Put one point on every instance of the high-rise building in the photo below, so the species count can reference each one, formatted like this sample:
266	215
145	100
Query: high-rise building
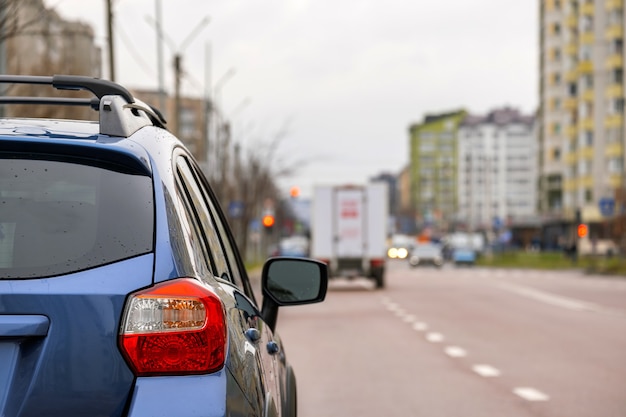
433	147
497	169
581	117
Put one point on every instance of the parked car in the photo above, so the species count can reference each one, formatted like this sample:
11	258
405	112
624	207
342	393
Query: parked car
122	292
426	254
463	256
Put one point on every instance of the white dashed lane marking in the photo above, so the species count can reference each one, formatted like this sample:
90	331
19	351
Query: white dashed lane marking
531	394
434	337
420	326
455	352
409	318
486	371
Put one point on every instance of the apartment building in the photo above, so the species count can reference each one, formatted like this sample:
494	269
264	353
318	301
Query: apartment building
497	169
581	119
192	119
433	147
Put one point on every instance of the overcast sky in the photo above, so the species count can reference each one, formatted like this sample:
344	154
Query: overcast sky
346	78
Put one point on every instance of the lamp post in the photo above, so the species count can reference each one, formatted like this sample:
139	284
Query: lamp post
220	126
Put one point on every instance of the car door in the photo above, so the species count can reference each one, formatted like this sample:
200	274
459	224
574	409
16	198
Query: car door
254	351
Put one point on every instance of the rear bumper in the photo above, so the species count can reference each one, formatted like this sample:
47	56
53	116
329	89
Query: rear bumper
189	396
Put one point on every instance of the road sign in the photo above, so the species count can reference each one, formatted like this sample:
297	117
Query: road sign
235	209
607	206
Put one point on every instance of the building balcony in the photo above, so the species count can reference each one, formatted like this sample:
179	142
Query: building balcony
585	67
613	149
614	91
614	61
615	31
586	181
615	181
586	152
571	75
587	9
571	49
571	21
587	38
570	184
614	120
571	131
586	124
611	5
587	95
570	103
571	158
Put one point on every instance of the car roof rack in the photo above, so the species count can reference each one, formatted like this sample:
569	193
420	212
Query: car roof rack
120	113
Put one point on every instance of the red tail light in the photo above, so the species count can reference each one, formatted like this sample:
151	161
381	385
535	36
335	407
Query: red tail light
377	262
174	328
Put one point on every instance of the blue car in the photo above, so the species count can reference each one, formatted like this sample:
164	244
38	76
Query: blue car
122	292
463	256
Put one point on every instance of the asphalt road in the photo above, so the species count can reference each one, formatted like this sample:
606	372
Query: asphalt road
462	342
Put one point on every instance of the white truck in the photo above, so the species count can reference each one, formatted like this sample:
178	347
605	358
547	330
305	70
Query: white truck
349	230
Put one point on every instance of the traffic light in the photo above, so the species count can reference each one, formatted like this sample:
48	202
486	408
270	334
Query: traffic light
268	221
582	230
294	192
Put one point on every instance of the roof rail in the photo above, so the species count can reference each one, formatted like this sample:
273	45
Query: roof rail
120	113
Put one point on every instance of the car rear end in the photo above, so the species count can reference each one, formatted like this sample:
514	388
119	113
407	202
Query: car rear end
76	238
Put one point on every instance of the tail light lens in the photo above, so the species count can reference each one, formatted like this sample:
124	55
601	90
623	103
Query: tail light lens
377	262
174	328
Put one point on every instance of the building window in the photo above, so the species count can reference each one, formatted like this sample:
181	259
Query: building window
588	196
557	54
617	76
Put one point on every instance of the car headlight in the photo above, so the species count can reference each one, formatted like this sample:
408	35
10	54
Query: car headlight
402	253
392	253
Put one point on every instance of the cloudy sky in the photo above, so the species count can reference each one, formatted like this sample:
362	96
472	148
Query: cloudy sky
343	79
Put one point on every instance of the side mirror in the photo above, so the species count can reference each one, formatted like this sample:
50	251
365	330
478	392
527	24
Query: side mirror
293	281
289	281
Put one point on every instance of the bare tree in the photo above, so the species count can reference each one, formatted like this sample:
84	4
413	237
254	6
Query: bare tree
255	185
11	22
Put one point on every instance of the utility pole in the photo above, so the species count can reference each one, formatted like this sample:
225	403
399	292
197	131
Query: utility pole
160	69
3	50
110	43
178	62
177	77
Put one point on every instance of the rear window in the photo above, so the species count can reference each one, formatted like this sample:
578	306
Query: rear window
62	217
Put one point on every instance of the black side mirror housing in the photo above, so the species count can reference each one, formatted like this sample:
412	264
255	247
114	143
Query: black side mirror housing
288	281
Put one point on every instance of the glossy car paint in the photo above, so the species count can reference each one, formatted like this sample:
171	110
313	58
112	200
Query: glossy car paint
77	368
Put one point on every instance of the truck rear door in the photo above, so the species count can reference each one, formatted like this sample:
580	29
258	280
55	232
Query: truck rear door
349	223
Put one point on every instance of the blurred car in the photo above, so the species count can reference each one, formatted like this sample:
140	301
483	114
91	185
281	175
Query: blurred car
122	292
399	247
397	252
426	254
297	246
463	256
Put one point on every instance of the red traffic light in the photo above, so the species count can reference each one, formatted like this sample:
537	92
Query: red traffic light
582	230
268	220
